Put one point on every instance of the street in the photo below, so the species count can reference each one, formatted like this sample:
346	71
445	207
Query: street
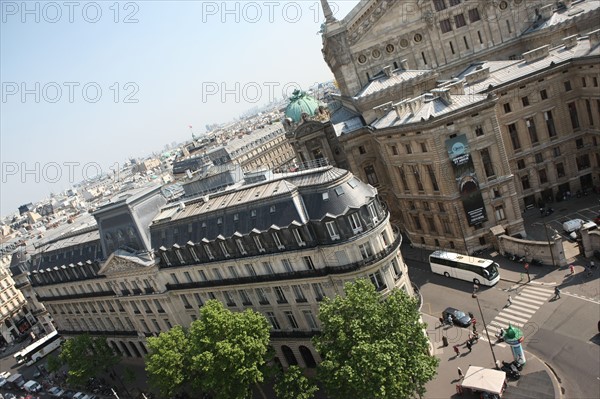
562	332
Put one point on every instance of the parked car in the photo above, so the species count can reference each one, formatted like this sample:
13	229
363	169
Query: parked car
56	392
32	386
458	317
2	381
572	225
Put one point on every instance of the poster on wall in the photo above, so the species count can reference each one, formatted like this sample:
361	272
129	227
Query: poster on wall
468	185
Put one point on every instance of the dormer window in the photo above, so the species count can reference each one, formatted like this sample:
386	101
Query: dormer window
259	244
298	236
224	249
332	230
277	240
208	252
194	254
240	246
373	212
272	209
253	213
355	223
166	258
179	256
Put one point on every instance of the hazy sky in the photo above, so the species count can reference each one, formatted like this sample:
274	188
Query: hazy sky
86	85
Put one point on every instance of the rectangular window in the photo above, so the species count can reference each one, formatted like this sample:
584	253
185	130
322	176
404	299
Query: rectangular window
194	254
311	322
423	147
530	122
377	281
273	320
499	211
583	82
229	298
394	150
318	291
408	148
417	222
186	303
158	306
480	38
287	265
445	25
233	272
332	230
556	151
514	136
188	277
240	246
403	178
539	157
277	240
451	47
459	20
279	295
432	178
291	319
525	182
474	15
560	169
508	26
198	299
415	170
365	250
506	107
543	94
250	269
454	2
245	298
262	296
542	175
582	162
486	160
573	115
431	224
208	252
202	275
478	131
525	101
268	268
298	236
299	294
396	268
568	85
550	124
355	223
259	244
373	212
308	263
224	249
371	175
217	274
174	278
588	107
466	42
439	5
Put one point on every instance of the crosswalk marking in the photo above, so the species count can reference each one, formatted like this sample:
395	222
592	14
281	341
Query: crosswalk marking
524	305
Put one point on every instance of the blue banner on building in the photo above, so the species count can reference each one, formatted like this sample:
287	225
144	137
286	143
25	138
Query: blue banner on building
468	185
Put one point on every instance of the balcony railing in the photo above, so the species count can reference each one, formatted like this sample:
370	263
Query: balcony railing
300	274
293	334
75	296
101	333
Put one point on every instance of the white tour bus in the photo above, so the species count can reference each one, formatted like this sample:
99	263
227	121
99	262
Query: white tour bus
39	349
465	267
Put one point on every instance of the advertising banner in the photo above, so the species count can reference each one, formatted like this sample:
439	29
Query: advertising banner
468	185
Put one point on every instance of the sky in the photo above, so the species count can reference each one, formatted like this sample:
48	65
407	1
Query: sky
88	85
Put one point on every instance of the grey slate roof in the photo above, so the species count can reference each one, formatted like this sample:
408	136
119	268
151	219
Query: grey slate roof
296	198
577	9
398	77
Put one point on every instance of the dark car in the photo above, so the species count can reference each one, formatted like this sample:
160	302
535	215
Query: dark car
459	318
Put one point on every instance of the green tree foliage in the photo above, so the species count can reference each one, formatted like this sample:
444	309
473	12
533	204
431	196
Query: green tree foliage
86	357
167	361
54	363
228	350
222	353
294	385
373	347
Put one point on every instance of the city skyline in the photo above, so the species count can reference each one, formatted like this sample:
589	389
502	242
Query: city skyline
88	85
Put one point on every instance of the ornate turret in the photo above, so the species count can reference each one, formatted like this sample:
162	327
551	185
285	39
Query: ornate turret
329	18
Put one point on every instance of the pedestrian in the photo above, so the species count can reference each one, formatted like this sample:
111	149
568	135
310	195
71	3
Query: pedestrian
556	292
460	373
509	301
455	347
541	211
469	345
592	265
444	341
572	269
474	329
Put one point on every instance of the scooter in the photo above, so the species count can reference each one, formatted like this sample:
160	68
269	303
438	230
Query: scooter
500	336
511	371
513	365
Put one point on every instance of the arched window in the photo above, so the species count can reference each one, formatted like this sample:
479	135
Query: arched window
289	356
307	356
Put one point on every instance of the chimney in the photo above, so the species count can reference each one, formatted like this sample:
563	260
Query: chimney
383	109
387	70
594	38
457	88
536	54
444	94
570	41
477	75
547	11
404	65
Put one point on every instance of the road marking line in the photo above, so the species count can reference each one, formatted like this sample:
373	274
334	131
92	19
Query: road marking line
581	297
524	306
533	297
503	314
501	345
542	290
519	312
514	323
529	301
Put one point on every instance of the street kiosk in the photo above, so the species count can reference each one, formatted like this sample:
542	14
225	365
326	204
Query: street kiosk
489	383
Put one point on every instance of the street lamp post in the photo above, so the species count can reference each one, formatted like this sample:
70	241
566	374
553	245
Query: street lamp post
549	244
486	330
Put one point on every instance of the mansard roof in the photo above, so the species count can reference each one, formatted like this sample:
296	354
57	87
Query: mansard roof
290	199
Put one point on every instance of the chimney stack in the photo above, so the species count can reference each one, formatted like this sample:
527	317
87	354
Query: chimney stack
594	38
570	41
387	70
404	65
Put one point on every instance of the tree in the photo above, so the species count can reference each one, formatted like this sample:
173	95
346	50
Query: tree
222	353
373	347
87	357
294	385
54	363
228	350
167	361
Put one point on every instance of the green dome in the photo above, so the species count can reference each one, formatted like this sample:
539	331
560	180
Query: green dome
301	103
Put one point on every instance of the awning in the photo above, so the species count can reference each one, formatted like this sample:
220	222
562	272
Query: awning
482	379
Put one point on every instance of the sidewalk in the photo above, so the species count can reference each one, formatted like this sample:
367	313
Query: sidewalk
537	380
